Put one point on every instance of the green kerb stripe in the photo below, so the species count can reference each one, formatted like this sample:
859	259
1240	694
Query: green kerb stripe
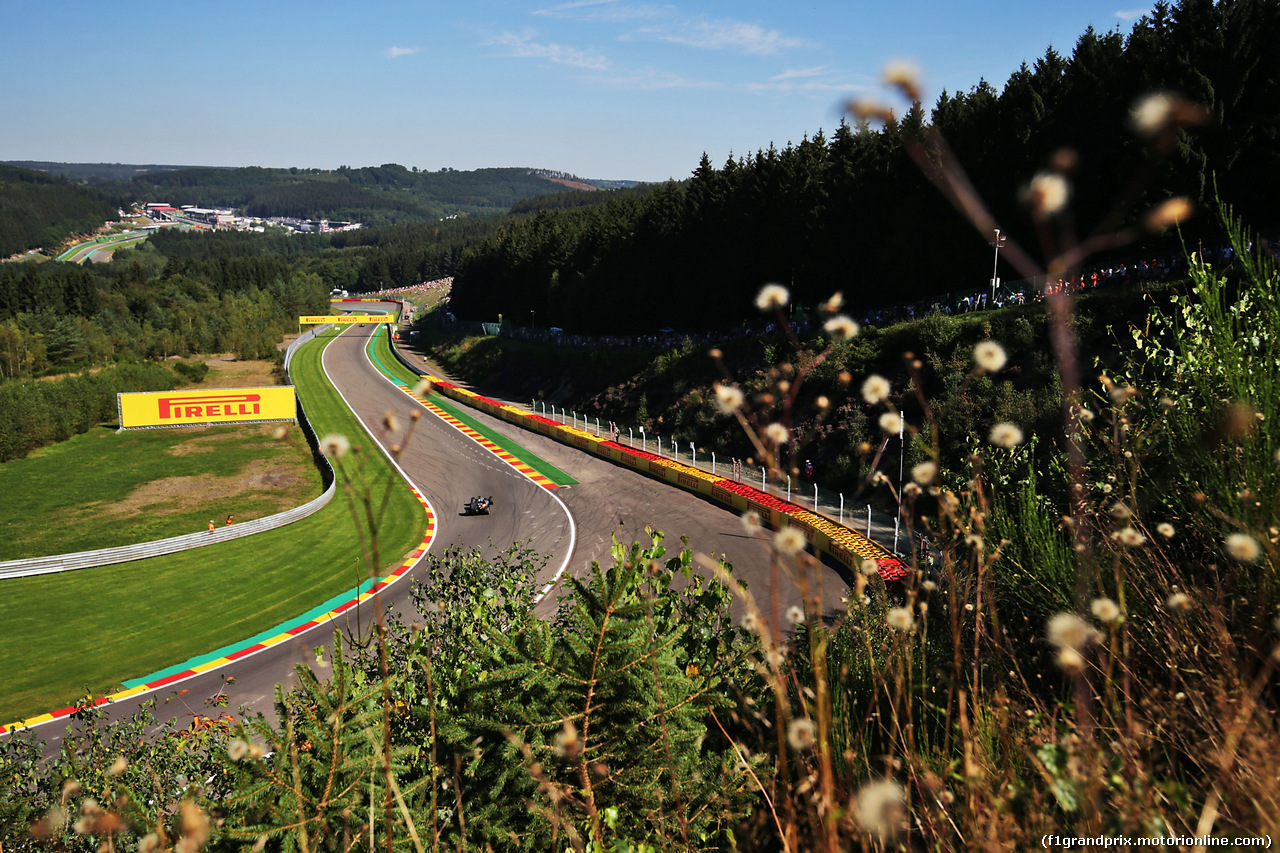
401	375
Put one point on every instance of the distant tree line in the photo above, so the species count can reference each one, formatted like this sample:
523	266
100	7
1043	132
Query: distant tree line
374	195
854	212
40	211
56	318
38	413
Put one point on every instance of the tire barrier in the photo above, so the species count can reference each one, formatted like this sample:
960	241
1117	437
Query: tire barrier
172	545
846	546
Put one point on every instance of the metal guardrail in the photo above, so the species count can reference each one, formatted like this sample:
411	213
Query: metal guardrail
879	527
172	545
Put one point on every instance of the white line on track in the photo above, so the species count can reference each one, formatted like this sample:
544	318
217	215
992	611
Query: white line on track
573	527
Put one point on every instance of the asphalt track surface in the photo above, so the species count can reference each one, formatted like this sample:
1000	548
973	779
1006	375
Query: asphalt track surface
573	525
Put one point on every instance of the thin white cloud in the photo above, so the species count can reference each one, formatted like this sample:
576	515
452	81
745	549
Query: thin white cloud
801	73
524	46
664	23
788	87
726	35
651	78
603	12
1132	14
393	52
819	79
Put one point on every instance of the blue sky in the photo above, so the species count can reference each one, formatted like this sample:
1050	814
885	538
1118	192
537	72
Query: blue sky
619	89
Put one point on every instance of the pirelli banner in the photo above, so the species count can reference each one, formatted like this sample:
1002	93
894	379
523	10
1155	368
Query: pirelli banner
346	319
205	407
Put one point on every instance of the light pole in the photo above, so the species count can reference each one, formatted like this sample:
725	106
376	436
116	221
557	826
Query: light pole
998	242
532	325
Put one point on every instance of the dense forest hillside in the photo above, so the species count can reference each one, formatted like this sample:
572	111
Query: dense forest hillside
374	195
39	211
855	212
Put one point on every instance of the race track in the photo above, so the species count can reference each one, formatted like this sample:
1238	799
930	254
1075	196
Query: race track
574	525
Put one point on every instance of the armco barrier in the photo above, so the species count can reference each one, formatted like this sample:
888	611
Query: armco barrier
160	547
846	546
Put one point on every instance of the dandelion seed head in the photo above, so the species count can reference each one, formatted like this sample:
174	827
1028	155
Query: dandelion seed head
751	521
335	445
841	327
391	422
1165	529
1130	537
834	304
1121	394
772	296
1120	510
729	398
869	567
900	619
1005	434
777	433
924	473
802	734
1243	547
789	541
1067	630
990	356
795	615
1178	602
423	388
237	749
1152	114
279	432
891	422
865	109
905	77
118	766
1070	661
1105	609
879	806
1047	193
1086	415
875	389
751	621
1168	213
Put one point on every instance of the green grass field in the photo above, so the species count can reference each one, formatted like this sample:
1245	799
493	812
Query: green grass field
106	488
92	629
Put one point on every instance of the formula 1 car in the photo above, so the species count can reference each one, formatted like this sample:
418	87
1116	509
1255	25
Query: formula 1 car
478	506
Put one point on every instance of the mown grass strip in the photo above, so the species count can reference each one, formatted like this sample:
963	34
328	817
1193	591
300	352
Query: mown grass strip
380	351
105	488
91	630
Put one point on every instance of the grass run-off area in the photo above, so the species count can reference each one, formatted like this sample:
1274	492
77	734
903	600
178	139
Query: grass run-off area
106	488
92	629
